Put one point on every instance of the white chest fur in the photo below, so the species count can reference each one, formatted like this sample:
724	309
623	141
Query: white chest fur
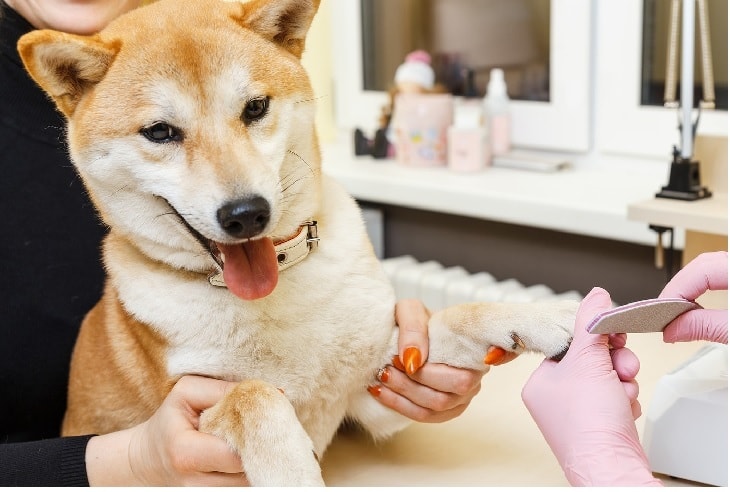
320	336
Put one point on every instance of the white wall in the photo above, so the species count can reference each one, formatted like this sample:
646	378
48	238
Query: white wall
317	60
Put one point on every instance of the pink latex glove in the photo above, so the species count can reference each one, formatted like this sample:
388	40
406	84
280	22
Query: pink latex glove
585	406
706	272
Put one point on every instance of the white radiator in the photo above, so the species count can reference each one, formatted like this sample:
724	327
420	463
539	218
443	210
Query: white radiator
439	287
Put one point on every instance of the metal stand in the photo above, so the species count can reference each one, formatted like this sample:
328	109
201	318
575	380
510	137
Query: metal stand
684	177
684	180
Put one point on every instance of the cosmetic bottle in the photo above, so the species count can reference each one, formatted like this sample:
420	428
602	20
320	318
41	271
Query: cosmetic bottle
468	144
497	113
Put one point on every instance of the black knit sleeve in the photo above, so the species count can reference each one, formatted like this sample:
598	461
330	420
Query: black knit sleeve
48	463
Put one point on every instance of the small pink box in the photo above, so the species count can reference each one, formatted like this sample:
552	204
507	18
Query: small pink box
421	123
468	149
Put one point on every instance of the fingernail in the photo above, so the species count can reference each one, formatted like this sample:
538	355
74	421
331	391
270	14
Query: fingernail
594	291
494	355
412	360
383	375
398	364
374	390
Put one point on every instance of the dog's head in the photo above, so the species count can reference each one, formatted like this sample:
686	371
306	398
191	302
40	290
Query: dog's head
192	123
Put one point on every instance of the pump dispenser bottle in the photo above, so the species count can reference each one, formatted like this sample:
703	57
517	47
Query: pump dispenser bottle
497	113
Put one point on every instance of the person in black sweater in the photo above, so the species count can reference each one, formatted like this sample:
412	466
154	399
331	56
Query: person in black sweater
52	276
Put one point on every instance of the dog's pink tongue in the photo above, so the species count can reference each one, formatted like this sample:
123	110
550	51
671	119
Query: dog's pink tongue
250	270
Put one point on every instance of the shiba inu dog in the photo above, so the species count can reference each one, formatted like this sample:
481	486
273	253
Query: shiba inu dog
229	253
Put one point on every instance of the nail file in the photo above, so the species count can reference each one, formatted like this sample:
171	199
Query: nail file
646	316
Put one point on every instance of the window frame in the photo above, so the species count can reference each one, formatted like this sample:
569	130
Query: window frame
623	125
562	124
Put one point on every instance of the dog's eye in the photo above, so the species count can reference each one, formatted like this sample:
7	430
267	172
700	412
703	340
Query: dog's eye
255	109
161	133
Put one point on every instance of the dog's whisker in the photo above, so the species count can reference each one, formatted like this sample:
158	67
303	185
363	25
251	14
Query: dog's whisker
301	159
286	182
288	186
293	177
121	188
311	99
286	200
165	214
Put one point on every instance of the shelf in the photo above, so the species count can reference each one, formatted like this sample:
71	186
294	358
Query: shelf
591	198
708	215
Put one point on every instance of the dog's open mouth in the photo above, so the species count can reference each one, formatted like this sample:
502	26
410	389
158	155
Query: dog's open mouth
250	269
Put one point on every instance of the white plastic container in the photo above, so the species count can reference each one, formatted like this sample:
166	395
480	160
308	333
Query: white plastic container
685	435
497	113
468	140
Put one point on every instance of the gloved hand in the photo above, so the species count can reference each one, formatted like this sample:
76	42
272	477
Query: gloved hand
706	272
585	405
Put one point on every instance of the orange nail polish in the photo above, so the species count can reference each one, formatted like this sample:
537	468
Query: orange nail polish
494	355
374	390
398	364
383	375
412	360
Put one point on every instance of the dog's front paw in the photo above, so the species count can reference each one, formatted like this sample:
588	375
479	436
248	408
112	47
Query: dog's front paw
467	335
259	422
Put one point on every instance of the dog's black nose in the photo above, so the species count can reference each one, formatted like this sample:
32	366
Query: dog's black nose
245	217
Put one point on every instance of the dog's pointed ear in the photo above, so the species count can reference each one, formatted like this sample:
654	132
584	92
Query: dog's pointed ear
65	65
285	22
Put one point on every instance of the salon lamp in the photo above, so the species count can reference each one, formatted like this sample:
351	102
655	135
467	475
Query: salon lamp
686	432
684	177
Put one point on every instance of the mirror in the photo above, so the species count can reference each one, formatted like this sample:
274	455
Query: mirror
466	39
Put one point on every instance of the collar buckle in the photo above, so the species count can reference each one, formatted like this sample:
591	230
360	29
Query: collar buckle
312	237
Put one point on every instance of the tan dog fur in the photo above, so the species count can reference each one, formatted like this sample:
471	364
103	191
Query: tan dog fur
327	326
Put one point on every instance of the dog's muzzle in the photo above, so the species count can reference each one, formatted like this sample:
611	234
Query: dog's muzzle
233	215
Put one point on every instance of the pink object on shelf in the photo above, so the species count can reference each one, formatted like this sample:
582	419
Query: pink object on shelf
421	123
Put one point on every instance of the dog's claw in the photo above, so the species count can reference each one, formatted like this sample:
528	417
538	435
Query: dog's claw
518	342
559	356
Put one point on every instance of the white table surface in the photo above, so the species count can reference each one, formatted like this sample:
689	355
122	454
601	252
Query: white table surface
708	215
494	443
